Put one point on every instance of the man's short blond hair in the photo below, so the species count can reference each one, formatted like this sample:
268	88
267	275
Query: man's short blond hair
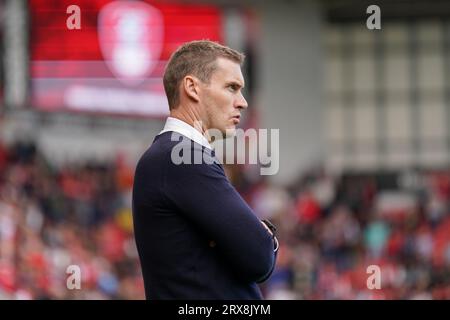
197	58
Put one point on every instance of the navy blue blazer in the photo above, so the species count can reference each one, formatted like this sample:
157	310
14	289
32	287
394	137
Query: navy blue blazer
196	237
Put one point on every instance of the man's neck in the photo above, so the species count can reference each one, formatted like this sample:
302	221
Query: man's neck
191	118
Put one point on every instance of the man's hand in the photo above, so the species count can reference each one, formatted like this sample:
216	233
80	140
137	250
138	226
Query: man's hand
267	228
271	228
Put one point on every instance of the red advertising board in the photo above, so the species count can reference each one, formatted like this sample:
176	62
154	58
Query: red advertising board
115	61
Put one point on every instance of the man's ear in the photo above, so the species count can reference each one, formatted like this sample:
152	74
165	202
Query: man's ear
190	86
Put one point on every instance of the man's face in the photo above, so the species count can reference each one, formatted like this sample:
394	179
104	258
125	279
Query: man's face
222	100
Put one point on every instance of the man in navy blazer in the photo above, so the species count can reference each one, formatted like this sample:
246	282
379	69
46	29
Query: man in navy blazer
196	237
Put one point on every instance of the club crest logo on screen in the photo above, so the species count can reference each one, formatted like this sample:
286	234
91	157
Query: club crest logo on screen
131	37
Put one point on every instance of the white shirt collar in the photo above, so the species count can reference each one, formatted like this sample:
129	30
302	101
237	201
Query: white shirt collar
181	127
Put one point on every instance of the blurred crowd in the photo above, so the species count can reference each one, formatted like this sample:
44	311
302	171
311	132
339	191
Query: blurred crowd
53	218
337	234
331	231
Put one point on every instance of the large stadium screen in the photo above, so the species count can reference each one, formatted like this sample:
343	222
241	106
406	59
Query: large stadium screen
108	57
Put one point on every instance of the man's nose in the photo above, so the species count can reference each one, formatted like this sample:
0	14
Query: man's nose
241	103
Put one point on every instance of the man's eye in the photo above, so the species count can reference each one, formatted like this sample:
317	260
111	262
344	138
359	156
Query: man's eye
233	87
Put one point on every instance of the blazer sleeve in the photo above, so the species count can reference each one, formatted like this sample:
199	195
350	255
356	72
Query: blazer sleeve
205	196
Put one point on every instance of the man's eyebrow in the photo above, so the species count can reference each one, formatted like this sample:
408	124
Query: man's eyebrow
237	83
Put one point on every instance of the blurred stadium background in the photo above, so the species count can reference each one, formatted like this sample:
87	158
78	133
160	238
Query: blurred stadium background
364	140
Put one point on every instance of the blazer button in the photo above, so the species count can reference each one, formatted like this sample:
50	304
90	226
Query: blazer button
212	244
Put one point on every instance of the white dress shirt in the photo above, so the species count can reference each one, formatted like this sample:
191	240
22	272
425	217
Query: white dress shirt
181	127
